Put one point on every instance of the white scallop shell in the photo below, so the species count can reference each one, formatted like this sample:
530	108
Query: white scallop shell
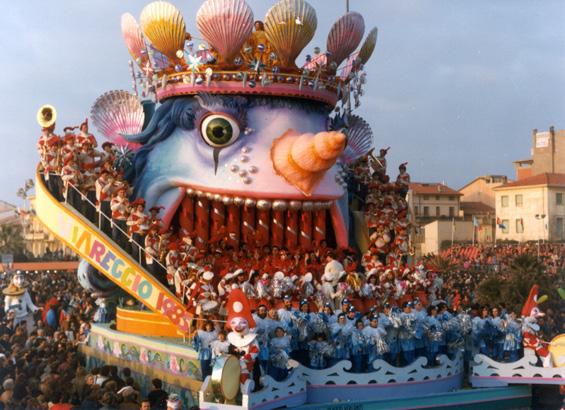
359	139
345	35
134	39
366	50
225	25
116	113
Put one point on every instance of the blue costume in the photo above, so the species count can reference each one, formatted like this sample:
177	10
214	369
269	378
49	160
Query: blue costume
406	336
391	324
341	338
358	349
513	339
201	343
436	338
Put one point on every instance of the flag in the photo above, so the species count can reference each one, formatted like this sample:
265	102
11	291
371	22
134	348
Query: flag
500	224
475	221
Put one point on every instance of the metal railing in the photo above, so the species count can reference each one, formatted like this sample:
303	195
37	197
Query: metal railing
102	215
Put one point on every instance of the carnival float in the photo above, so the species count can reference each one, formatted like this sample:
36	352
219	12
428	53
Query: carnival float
237	150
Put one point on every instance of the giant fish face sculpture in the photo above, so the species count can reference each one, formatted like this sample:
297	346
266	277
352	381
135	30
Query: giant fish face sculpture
240	144
229	154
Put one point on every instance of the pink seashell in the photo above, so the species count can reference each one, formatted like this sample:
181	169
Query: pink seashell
225	24
117	113
134	39
344	37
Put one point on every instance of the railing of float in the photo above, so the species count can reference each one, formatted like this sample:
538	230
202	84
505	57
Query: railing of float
102	215
84	238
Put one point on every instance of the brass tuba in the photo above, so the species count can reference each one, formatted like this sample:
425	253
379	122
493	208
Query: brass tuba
46	116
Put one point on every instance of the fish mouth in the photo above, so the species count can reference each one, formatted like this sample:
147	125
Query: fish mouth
256	220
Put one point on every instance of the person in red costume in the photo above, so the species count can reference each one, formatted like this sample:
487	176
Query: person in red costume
244	343
530	327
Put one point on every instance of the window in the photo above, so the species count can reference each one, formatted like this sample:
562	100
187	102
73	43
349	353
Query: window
426	197
451	211
426	211
437	211
559	198
519	225
519	199
559	228
437	197
504	201
452	198
417	210
506	225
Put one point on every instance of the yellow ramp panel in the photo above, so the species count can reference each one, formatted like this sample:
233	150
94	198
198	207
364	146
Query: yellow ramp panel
145	323
86	240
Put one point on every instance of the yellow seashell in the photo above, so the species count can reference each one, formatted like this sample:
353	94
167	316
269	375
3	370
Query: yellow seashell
163	25
366	50
303	159
289	26
344	36
225	24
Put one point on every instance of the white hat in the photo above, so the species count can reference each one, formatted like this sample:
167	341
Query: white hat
342	274
237	272
228	276
407	270
279	275
307	277
265	276
371	272
293	278
208	275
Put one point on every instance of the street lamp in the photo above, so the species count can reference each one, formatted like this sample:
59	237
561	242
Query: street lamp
540	217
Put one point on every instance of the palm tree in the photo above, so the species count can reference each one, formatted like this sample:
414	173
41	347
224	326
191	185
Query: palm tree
11	239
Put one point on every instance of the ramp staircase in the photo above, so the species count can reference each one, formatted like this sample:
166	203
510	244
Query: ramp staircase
87	240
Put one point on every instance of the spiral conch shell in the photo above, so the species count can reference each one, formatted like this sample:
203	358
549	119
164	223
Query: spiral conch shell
164	27
225	24
303	159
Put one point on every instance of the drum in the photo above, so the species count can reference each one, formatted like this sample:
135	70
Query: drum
225	377
557	350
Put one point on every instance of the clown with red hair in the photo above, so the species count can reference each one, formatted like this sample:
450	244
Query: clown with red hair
239	322
531	329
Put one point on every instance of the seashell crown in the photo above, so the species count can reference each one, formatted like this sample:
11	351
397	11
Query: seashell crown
237	54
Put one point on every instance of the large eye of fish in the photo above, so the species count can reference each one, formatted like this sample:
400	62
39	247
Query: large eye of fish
219	130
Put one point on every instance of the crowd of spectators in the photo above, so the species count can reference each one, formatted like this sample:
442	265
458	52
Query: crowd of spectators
44	369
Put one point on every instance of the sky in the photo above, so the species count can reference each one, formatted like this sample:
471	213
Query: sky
455	87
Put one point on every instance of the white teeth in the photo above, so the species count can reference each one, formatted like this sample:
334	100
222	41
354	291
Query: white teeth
280	205
295	205
263	204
